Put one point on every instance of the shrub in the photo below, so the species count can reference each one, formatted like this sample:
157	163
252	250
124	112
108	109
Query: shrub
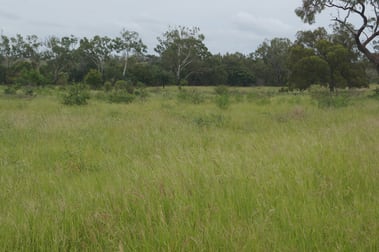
94	79
125	86
28	91
108	86
77	95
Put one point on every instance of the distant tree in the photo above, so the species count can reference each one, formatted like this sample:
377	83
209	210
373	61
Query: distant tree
307	71
60	55
349	11
180	48
98	50
32	51
129	42
309	38
238	69
328	64
271	58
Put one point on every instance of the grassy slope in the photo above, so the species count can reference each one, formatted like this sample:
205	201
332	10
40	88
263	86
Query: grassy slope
164	175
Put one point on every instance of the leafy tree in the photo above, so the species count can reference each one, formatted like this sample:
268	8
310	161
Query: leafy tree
238	70
129	42
32	50
308	39
60	55
11	50
309	70
180	48
333	65
271	57
98	50
348	11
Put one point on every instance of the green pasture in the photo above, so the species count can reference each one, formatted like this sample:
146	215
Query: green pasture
258	171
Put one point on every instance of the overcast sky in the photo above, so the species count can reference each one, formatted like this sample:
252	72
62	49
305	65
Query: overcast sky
228	26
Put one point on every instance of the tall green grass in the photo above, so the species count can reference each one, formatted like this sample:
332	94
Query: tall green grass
270	173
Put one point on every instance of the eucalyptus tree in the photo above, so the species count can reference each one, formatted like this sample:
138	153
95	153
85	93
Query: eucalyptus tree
11	49
32	50
17	49
129	42
347	13
180	48
60	55
98	50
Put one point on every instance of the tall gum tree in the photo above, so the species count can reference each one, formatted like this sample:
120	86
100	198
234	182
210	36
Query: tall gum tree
365	34
129	42
180	48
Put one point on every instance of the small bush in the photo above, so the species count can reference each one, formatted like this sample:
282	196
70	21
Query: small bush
122	85
108	86
94	79
77	95
28	91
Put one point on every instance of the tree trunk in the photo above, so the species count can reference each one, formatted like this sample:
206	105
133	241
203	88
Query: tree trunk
125	64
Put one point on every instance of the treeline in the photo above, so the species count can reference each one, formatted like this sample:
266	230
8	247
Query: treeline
182	58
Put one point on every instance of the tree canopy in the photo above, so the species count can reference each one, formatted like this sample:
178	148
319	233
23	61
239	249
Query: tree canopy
347	13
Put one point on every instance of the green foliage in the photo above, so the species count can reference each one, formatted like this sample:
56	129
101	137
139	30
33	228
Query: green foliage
108	86
31	78
123	85
77	94
307	71
272	57
94	79
10	90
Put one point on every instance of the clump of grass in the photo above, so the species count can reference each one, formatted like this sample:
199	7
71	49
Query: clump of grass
331	100
210	120
190	96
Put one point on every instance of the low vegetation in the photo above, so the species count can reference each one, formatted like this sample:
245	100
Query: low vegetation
261	171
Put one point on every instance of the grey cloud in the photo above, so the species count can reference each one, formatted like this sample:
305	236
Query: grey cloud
9	15
260	25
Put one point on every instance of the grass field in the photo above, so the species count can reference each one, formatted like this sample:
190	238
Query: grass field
267	173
